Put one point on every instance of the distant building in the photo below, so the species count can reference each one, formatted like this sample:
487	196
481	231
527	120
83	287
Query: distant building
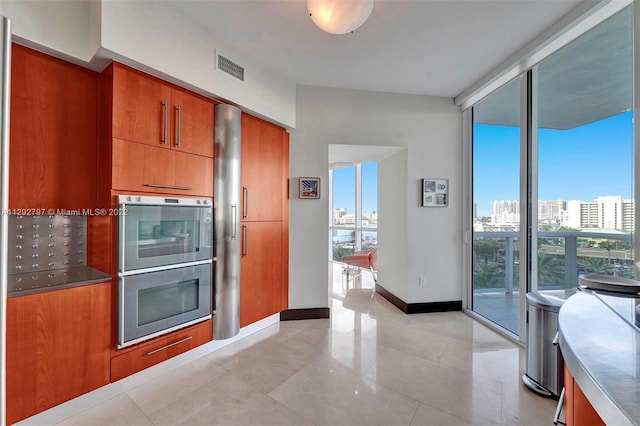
505	212
605	212
551	211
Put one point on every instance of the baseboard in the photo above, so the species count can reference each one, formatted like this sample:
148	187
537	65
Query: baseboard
419	308
304	314
395	300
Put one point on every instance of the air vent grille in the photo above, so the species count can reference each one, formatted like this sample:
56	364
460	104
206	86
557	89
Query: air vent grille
230	67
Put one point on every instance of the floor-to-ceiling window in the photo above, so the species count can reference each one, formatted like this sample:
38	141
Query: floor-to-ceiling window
354	216
496	206
553	156
585	157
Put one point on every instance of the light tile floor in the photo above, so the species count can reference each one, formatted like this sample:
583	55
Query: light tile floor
370	364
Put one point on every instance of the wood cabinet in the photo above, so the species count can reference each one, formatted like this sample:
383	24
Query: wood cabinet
265	220
160	349
150	111
58	347
263	156
53	133
143	168
260	271
578	409
157	138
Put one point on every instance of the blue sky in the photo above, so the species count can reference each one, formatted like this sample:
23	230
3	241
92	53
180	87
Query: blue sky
576	164
344	184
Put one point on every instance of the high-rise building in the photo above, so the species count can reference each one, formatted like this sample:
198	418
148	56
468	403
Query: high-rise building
550	211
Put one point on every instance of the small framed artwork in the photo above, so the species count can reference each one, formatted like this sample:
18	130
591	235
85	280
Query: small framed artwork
435	192
309	187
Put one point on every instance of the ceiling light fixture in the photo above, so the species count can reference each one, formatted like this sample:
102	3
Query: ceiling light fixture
339	16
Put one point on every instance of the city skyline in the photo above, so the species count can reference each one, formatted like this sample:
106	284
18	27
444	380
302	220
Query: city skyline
574	164
344	188
604	212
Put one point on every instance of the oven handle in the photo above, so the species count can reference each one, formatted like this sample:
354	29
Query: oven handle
234	221
169	345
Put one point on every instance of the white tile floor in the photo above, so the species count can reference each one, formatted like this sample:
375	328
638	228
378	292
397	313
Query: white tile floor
369	364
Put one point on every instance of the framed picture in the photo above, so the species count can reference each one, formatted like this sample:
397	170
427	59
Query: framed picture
309	187
435	192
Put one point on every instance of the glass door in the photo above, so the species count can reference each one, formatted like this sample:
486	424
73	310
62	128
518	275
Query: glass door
496	207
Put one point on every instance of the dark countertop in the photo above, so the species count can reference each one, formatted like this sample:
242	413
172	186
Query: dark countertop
57	279
600	343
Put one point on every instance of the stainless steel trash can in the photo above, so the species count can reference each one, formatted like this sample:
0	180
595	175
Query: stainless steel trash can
545	366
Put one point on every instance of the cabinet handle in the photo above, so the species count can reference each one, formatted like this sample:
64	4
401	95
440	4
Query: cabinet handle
245	206
164	123
179	133
245	240
169	345
157	185
234	221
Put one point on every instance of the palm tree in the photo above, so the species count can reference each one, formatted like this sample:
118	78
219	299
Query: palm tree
485	249
486	276
594	264
550	269
608	245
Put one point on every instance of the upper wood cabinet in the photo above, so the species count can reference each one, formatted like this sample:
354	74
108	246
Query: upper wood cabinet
53	132
150	111
264	151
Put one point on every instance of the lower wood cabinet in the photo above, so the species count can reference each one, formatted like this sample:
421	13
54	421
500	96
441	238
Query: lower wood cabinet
58	347
160	349
261	280
578	409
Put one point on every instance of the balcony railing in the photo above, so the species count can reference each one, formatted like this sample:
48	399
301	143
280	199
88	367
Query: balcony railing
562	256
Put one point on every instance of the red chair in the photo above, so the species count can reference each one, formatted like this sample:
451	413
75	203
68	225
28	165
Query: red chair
364	259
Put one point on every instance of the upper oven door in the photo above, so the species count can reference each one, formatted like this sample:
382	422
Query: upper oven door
159	231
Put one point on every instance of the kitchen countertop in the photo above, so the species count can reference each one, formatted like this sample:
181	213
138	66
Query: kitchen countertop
57	279
600	343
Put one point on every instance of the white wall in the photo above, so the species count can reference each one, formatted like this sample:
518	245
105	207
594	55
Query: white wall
154	37
155	34
65	27
430	130
392	224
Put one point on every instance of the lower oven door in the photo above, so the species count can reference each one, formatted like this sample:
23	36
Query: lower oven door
155	303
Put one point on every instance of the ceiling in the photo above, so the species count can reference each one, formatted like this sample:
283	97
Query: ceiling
425	47
587	80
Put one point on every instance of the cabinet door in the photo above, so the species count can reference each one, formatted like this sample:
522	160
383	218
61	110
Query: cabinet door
141	108
143	168
262	169
58	347
193	123
53	133
260	271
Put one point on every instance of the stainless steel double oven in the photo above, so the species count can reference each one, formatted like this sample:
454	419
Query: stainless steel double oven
164	265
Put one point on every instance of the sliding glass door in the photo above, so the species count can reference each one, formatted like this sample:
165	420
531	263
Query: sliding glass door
496	206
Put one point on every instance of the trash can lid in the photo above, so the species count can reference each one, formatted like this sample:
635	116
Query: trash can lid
545	302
